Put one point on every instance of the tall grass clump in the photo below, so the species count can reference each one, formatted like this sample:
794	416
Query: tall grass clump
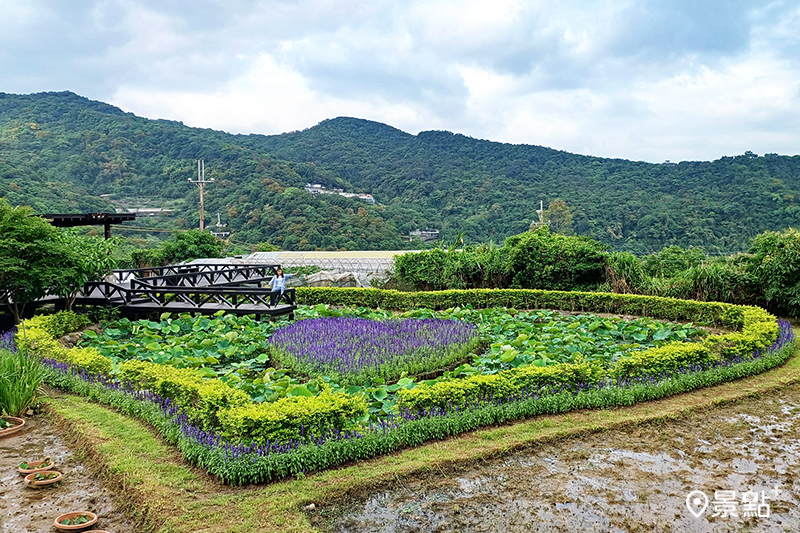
21	378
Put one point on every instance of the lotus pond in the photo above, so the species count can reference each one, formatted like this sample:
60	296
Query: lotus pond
374	352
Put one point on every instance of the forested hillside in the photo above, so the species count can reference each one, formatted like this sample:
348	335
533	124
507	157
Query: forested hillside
434	179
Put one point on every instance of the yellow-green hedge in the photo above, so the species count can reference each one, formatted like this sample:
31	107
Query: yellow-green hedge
496	386
200	397
37	337
279	421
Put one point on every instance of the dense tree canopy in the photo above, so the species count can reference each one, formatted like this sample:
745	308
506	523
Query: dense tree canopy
61	152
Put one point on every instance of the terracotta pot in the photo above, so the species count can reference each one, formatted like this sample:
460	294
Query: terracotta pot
36	466
92	519
20	423
97	531
29	479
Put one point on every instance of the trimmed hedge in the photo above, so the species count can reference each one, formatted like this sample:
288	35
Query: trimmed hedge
58	324
201	398
714	313
279	421
38	336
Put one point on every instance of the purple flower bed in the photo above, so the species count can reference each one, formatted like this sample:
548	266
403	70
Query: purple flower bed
353	350
7	340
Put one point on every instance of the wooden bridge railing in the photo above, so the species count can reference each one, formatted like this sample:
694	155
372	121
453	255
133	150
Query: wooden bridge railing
231	276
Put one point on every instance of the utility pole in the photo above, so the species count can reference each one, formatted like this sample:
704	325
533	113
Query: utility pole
201	181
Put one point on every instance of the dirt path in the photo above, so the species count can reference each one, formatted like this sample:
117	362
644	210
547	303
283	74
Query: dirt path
23	509
634	480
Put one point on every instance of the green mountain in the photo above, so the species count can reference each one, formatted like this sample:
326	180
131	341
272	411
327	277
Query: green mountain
61	152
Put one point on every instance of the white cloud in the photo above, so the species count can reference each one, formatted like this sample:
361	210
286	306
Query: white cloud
653	80
277	99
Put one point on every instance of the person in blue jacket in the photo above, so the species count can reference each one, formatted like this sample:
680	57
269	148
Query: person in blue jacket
278	285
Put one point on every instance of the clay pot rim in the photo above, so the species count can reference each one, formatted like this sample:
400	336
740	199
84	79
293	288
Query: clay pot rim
41	483
63	527
8	431
38	468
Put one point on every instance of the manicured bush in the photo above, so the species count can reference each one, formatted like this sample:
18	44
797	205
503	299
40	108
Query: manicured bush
500	386
59	324
540	260
38	337
297	417
200	397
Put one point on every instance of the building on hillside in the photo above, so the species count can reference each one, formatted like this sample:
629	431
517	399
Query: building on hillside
316	188
425	235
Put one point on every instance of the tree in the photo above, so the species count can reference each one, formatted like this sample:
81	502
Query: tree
776	268
184	246
32	257
541	260
90	259
559	217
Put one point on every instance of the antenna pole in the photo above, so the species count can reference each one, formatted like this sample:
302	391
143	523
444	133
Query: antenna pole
201	181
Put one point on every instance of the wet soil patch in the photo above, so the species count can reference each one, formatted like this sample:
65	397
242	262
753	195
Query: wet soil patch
24	509
631	480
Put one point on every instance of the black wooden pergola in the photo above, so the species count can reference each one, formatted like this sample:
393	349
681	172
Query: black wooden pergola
89	219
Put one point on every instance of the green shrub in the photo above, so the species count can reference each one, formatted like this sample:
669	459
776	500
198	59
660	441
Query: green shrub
671	261
500	386
37	336
295	417
58	324
776	269
474	266
540	260
661	360
200	397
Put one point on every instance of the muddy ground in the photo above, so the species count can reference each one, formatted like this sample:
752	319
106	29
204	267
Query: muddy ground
632	480
24	509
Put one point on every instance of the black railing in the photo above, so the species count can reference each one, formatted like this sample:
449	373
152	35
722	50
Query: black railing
231	277
220	298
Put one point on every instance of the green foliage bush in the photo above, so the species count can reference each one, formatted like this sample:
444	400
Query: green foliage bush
59	324
200	397
184	246
540	260
295	417
500	386
480	266
776	269
671	261
39	336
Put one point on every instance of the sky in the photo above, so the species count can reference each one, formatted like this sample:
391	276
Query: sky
643	80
